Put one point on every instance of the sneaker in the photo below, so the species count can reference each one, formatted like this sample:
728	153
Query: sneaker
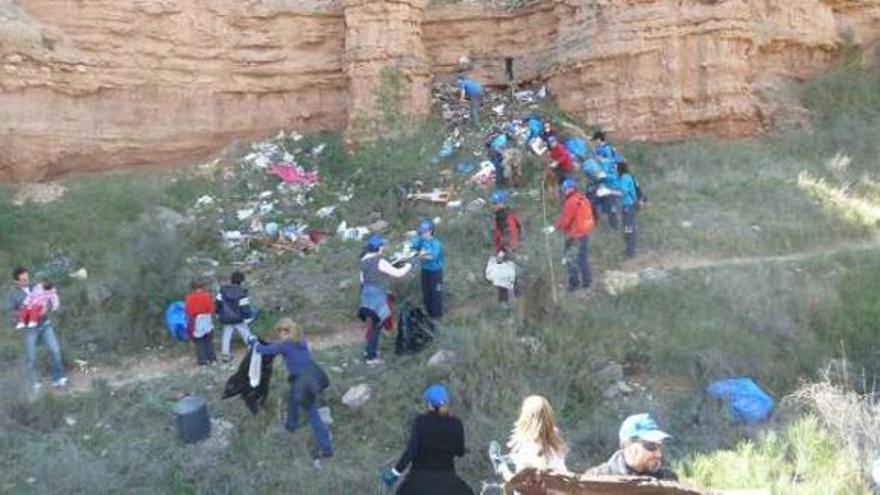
37	387
32	324
60	383
225	358
19	326
373	362
586	293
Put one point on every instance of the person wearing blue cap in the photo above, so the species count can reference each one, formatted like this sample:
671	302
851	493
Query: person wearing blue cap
431	256
376	272
436	439
473	92
641	451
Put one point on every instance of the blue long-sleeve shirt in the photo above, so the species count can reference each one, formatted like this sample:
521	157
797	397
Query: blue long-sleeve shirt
434	248
471	88
604	150
628	188
296	354
612	180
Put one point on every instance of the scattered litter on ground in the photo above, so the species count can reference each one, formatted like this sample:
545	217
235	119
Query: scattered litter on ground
80	274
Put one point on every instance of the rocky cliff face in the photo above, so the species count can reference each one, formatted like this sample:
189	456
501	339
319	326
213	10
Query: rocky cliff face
106	84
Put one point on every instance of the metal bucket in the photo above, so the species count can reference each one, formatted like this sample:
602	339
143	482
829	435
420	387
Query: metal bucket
193	423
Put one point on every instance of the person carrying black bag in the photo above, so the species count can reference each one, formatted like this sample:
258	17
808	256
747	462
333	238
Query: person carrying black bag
307	381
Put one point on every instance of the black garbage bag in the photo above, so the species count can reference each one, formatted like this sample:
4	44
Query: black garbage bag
239	384
415	330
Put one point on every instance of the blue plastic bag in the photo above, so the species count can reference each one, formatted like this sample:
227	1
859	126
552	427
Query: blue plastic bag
499	141
175	320
536	127
577	147
746	401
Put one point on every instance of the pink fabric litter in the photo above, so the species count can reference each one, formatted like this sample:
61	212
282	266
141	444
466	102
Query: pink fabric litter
293	174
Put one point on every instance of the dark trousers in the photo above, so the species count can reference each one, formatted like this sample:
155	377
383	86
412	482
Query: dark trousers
608	205
577	260
590	193
320	430
371	351
205	349
629	230
475	102
432	292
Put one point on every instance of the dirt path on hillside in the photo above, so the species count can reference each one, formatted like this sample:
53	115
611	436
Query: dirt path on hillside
155	366
669	263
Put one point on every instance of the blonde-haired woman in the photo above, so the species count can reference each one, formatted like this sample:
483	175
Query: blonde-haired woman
535	441
307	381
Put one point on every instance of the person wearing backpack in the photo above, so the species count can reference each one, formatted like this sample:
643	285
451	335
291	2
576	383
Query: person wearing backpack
307	382
575	222
235	313
199	311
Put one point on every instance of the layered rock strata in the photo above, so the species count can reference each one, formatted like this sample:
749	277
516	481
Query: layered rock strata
106	84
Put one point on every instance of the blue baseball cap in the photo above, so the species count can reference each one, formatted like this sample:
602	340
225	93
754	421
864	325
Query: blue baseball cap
643	427
436	396
499	197
374	242
568	184
425	226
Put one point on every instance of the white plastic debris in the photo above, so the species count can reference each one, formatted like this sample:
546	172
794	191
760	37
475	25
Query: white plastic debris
318	149
80	274
266	194
244	213
454	204
205	200
351	234
325	211
232	235
498	109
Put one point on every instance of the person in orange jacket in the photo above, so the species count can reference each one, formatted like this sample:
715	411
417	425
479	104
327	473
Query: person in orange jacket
576	222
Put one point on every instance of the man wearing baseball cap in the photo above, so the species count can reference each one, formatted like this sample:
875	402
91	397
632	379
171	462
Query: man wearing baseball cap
641	451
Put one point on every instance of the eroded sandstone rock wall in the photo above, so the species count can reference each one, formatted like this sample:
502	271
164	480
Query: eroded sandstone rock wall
98	84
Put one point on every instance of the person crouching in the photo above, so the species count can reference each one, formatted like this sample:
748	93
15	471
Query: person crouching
437	438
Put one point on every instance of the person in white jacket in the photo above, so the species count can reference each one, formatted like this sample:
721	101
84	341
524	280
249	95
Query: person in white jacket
501	272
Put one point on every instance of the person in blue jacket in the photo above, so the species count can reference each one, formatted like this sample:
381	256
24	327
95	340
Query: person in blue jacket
307	381
609	192
628	202
602	149
473	92
595	174
431	256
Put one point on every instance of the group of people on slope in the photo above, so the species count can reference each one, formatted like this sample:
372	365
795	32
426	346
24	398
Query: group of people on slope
437	438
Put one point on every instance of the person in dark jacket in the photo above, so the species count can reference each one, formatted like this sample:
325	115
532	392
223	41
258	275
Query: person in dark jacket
437	438
234	310
307	381
641	451
376	274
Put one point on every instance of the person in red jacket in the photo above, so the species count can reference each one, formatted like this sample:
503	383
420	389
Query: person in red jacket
561	160
575	222
199	309
506	228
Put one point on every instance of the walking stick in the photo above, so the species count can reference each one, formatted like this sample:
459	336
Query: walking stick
547	239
